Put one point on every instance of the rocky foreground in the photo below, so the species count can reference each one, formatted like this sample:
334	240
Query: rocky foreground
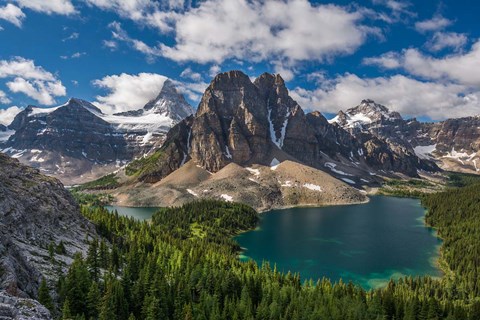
36	212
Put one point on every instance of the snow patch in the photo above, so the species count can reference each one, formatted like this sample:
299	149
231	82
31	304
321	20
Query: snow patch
425	152
348	181
255	172
227	152
278	142
332	166
193	193
274	164
226	197
313	187
287	183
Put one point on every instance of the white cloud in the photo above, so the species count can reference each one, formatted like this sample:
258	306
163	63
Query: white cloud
12	14
63	7
145	12
193	90
3	98
460	67
389	60
41	91
32	80
443	40
281	30
399	93
436	23
214	70
399	11
73	36
110	44
74	55
128	92
121	35
7	115
188	73
217	30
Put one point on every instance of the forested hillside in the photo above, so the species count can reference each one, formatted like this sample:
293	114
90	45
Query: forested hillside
184	265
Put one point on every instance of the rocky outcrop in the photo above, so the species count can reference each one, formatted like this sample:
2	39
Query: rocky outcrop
36	212
21	309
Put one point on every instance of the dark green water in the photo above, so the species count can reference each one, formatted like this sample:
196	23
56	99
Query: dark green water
367	243
140	213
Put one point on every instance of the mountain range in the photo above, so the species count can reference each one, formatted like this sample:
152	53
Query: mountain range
246	137
77	142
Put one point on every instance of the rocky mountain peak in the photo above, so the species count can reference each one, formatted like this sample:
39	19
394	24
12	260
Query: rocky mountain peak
170	103
368	112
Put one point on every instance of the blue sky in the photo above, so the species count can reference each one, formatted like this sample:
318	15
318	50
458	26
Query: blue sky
421	58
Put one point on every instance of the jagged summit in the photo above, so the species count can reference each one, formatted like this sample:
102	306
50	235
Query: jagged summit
368	112
170	103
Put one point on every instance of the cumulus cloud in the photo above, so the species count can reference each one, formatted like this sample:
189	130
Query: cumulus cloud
3	97
188	73
128	92
400	93
192	90
32	80
398	10
41	91
285	32
63	7
7	115
119	34
444	40
12	14
389	60
291	30
159	15
436	23
459	67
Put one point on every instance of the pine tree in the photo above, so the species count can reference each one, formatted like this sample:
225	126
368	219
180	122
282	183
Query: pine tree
66	313
93	260
44	295
93	301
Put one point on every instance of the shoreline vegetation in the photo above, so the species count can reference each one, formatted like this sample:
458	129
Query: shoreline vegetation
183	264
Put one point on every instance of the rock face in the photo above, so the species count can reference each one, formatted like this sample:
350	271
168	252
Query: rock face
170	103
452	144
76	142
21	309
244	122
35	211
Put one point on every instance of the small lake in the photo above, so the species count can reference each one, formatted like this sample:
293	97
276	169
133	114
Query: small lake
366	243
139	213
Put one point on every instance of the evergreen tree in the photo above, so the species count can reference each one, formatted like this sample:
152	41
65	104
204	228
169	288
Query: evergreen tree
44	295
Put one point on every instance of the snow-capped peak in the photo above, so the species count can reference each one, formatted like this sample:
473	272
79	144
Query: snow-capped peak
367	112
170	103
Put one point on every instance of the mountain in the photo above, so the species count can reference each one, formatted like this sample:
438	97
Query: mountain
259	123
77	142
35	212
242	127
452	144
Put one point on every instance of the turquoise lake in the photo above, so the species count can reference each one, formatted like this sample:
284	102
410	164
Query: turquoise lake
366	243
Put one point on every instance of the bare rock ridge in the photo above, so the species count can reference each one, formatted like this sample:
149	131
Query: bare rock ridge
35	212
247	123
452	144
76	142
